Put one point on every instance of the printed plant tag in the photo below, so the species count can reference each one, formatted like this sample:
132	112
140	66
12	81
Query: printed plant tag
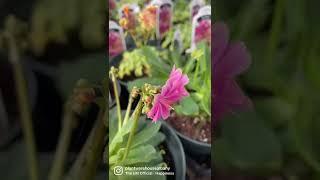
134	8
177	40
195	6
116	39
201	27
164	17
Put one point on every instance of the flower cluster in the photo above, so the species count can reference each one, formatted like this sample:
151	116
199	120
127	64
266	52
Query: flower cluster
229	60
148	17
128	19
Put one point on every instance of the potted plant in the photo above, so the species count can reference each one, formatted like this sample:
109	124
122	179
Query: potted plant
135	142
195	110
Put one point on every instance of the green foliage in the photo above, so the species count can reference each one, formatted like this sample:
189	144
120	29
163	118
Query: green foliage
135	64
70	73
53	20
181	13
143	151
282	37
247	143
198	68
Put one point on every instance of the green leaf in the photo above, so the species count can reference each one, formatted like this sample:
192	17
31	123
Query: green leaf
156	63
247	143
157	139
70	73
141	154
187	107
119	136
156	81
146	134
304	128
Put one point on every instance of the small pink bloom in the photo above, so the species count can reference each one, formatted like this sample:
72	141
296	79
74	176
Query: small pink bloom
203	31
112	4
172	92
164	19
115	44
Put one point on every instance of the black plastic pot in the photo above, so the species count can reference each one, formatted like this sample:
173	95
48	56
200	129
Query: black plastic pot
193	147
176	150
199	167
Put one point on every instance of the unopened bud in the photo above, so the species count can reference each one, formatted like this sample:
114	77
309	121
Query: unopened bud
147	99
135	92
146	109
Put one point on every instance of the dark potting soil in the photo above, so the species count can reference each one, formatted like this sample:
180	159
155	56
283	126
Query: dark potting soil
193	127
168	159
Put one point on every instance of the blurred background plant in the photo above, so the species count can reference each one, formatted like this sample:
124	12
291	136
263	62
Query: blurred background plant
135	64
56	41
279	139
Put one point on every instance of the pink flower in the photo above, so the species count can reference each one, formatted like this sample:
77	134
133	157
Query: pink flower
164	19
229	61
203	31
115	44
172	92
112	4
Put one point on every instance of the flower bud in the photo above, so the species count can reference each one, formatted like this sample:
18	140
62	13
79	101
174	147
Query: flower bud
135	92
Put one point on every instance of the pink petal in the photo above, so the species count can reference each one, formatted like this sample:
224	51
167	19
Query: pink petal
229	98
220	39
235	61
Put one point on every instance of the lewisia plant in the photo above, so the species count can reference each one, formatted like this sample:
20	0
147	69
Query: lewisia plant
154	101
229	61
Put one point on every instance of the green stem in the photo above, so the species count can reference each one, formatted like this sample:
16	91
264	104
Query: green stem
196	71
87	162
115	89
25	111
138	44
275	29
126	117
56	171
136	116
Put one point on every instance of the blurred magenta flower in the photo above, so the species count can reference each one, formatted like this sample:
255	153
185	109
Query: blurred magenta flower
115	44
229	60
164	19
203	31
172	92
112	4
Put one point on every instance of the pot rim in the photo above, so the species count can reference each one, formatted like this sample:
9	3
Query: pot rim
182	164
190	139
